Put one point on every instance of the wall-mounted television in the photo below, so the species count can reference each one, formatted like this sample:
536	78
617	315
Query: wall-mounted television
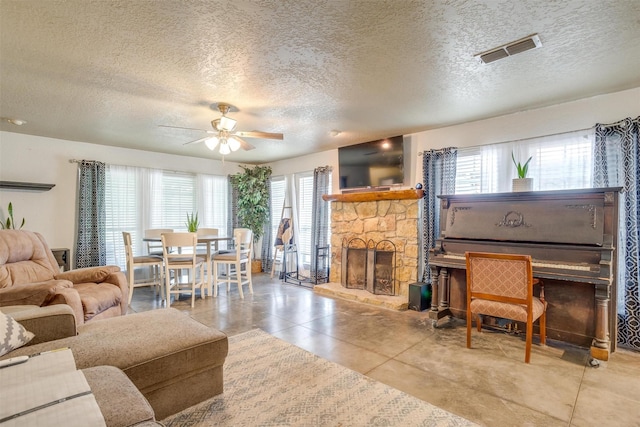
377	163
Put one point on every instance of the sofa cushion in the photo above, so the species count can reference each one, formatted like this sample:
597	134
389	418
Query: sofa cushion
120	402
97	298
12	334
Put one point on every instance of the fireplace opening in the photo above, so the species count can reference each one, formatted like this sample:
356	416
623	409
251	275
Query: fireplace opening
369	266
381	263
354	263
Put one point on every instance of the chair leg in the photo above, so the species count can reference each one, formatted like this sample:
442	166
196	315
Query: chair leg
215	279
239	279
527	350
543	328
469	315
131	278
248	270
479	322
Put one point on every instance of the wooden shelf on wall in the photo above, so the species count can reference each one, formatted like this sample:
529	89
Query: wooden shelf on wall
372	196
27	186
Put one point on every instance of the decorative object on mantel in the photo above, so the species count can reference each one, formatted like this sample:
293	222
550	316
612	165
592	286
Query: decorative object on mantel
9	223
16	185
521	183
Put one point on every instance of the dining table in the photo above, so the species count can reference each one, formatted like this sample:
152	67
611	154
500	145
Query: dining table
210	240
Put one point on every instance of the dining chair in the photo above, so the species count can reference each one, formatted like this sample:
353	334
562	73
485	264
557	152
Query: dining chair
237	262
155	248
154	262
185	259
501	285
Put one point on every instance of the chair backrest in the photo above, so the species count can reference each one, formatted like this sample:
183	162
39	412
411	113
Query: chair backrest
128	249
500	277
185	243
150	233
243	239
25	257
207	232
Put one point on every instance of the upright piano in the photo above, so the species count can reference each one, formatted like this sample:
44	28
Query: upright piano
571	236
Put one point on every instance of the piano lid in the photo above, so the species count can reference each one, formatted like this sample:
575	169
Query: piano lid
543	217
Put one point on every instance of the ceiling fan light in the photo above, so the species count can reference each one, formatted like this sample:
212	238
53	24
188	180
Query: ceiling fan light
227	124
212	142
234	144
224	148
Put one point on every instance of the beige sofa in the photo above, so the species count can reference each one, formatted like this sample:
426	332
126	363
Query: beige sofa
173	360
29	274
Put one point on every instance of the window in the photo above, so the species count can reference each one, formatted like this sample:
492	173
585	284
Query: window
278	191
561	161
141	198
304	196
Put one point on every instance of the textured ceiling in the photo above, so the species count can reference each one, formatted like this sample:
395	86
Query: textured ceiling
110	72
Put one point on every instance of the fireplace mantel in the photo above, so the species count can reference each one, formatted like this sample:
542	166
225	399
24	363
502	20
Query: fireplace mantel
372	196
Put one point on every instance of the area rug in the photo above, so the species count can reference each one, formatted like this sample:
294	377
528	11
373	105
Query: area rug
269	382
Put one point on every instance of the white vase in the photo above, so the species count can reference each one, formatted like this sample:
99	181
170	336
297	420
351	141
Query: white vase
522	184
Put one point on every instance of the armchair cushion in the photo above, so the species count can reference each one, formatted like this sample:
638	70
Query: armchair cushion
39	293
12	334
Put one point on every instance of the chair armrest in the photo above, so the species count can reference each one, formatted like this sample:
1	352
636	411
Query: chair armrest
88	274
47	323
39	293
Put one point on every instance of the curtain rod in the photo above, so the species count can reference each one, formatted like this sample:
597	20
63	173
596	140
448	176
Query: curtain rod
524	139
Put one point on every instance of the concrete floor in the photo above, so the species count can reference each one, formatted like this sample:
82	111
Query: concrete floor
489	384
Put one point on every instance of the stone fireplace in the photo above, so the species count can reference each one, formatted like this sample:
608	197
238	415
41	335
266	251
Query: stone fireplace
376	216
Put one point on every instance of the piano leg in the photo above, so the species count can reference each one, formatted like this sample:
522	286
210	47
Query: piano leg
601	344
439	294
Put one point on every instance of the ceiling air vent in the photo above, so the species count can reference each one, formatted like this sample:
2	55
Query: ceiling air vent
518	46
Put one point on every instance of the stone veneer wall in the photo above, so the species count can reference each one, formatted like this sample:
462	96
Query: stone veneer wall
394	220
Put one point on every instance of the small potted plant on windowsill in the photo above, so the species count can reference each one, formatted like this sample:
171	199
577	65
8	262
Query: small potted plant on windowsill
521	183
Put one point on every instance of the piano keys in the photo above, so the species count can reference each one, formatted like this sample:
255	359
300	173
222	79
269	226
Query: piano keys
571	236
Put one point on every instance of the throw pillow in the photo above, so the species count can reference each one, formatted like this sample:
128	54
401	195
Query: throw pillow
12	334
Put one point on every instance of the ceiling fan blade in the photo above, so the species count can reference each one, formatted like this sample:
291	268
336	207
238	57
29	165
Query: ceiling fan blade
196	141
258	134
180	127
244	144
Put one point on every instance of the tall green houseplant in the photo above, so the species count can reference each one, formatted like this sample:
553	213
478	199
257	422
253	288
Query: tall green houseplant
253	198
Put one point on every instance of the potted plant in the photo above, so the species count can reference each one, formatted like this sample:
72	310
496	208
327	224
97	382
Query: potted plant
10	223
192	222
253	202
521	183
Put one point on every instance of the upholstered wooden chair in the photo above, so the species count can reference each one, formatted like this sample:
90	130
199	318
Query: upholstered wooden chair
155	248
238	263
501	285
185	259
153	262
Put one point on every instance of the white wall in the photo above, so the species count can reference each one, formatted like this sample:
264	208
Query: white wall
46	160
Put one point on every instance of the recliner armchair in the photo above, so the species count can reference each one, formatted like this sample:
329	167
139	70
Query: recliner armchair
29	274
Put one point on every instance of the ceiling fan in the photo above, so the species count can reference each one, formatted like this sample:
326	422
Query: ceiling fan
225	135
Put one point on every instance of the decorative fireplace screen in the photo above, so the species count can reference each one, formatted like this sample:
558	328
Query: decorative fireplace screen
369	266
